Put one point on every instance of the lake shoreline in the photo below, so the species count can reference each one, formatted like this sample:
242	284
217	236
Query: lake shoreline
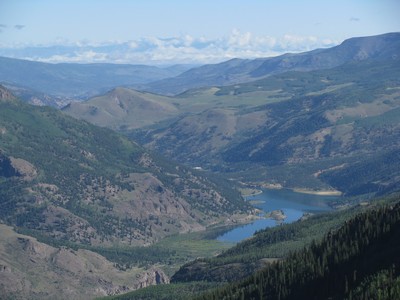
278	206
248	192
253	191
317	192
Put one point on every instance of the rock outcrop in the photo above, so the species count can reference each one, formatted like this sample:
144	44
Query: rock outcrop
34	270
152	277
5	94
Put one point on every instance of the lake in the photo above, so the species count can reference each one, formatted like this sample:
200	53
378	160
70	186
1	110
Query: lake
293	204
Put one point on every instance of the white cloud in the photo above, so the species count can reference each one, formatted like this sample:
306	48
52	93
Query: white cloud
77	57
181	49
238	39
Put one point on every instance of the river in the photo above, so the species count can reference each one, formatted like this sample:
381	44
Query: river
293	205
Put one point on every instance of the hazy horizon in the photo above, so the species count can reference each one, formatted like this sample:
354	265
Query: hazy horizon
172	32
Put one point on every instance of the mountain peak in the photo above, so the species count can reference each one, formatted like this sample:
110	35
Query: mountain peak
387	37
384	46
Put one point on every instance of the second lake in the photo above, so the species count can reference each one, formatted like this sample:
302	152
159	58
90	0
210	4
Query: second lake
293	205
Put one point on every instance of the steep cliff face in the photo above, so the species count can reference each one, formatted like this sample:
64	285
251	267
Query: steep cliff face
152	277
28	266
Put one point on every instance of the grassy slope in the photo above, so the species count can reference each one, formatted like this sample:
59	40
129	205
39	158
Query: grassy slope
123	109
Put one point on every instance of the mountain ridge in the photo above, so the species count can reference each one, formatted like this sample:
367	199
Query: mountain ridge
77	81
240	71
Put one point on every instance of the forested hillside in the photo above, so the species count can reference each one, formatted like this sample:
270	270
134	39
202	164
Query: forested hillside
265	246
357	261
75	182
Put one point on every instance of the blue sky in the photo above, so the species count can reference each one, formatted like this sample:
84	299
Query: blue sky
169	31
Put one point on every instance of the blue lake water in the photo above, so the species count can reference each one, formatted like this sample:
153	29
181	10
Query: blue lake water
293	204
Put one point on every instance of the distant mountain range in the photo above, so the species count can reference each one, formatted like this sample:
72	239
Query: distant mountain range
58	84
76	81
234	71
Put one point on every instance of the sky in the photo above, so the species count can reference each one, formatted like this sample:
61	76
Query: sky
184	31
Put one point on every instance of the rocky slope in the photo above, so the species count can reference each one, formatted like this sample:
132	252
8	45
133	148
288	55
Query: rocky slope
34	270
